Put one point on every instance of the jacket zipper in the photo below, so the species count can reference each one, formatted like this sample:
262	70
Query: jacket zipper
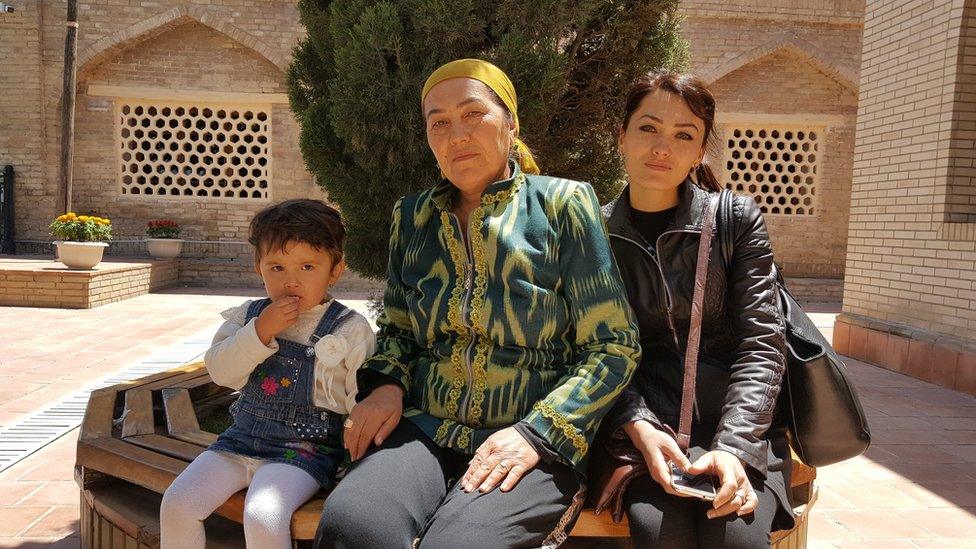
465	318
647	249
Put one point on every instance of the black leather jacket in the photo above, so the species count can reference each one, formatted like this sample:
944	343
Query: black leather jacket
742	355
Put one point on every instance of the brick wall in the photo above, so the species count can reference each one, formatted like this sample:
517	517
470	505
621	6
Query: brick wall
237	46
833	12
796	60
904	265
244	45
22	110
811	246
191	56
961	193
720	43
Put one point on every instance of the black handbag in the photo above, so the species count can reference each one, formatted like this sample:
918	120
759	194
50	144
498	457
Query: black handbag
825	420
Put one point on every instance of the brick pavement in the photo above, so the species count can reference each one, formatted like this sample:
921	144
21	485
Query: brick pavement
46	354
915	487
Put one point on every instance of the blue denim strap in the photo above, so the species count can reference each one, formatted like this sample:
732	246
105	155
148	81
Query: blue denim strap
334	317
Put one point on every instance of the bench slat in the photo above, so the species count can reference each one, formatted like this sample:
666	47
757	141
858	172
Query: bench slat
194	382
99	414
137	416
599	526
180	415
129	462
153	381
195	371
197	438
181	419
167	446
802	474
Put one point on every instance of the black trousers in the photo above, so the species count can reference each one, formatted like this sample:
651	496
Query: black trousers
659	519
405	494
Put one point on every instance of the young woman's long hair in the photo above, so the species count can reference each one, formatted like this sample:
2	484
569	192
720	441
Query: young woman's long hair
701	102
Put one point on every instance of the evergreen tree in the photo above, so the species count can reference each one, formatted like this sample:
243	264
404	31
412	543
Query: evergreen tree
355	83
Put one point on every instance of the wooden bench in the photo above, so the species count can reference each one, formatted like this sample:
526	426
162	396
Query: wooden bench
138	436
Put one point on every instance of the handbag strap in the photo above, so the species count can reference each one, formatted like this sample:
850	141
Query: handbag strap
694	329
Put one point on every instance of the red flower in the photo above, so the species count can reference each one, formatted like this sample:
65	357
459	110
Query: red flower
269	386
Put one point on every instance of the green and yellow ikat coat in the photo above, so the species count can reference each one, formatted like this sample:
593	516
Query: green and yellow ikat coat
526	319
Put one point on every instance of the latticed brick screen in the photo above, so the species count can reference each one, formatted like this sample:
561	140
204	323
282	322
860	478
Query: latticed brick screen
776	165
182	149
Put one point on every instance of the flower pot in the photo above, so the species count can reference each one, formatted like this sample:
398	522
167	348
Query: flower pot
164	248
80	255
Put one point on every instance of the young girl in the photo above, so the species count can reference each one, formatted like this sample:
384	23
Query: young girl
294	357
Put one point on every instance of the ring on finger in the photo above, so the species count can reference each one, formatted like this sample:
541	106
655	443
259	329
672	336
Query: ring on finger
347	423
503	465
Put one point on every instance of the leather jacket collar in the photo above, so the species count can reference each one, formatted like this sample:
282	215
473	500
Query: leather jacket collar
688	217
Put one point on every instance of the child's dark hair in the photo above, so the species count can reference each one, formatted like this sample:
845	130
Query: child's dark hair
298	220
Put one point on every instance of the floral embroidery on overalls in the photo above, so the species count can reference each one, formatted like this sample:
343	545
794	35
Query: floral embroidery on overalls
269	386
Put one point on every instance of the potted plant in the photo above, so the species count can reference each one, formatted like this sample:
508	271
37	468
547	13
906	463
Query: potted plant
164	241
81	239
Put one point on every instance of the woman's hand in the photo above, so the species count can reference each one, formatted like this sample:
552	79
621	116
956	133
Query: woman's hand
736	493
504	455
658	448
373	419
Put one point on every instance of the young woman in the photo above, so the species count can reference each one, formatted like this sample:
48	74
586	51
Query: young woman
655	227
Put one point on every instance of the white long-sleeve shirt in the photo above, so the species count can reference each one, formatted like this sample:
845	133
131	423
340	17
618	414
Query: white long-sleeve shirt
236	350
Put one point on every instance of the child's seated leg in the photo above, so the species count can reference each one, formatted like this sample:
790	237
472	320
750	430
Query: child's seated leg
203	486
276	491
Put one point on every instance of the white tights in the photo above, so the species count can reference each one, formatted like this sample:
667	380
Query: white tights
275	491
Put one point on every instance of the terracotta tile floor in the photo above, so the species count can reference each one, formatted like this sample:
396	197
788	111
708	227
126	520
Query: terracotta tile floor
915	487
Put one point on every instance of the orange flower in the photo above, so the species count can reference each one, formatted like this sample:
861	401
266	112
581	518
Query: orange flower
285	382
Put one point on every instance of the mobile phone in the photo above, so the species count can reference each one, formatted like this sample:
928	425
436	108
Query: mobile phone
702	486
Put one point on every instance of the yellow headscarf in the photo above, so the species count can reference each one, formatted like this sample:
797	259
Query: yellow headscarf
498	81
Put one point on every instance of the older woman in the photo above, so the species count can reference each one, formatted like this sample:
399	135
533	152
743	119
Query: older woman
504	340
736	436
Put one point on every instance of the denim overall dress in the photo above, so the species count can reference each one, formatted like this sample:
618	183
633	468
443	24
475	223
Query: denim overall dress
275	418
